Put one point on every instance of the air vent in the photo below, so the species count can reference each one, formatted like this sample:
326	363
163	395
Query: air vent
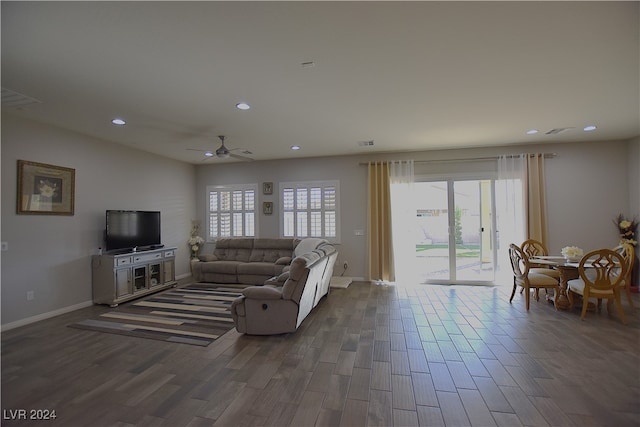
11	99
556	131
365	143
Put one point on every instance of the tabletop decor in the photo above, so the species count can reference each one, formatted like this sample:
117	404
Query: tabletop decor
627	230
45	189
572	253
195	241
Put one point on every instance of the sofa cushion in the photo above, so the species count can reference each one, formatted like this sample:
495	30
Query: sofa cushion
220	267
236	249
270	250
285	260
277	280
259	268
262	292
308	244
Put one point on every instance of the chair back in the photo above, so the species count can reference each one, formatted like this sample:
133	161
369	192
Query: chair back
533	247
602	269
628	253
519	262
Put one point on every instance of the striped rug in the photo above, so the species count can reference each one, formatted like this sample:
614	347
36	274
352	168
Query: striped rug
195	314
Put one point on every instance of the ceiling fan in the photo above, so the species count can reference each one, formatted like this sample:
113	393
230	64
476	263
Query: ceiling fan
223	152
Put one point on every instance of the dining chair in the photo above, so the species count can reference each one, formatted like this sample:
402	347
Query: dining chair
602	274
628	253
522	276
532	248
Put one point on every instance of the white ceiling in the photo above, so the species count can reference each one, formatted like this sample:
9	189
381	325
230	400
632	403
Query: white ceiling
408	75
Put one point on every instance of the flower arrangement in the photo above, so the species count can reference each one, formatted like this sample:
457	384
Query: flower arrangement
627	229
195	241
572	253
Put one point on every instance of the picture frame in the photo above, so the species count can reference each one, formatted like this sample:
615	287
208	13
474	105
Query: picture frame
267	188
267	208
45	189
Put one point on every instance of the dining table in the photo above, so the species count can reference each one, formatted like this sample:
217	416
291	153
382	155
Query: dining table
568	271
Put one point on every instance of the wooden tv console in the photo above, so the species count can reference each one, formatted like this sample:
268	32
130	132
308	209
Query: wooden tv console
121	277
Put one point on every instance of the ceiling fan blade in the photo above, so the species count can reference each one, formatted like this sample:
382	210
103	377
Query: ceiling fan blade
239	157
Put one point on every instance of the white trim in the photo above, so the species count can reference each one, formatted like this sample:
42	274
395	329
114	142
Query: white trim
44	316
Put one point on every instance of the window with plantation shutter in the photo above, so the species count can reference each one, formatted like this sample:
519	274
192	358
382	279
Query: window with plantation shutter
232	211
310	209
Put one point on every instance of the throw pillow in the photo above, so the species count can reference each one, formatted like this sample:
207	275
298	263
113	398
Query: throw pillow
283	260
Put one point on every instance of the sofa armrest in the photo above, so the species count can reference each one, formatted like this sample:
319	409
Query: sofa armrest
262	292
208	257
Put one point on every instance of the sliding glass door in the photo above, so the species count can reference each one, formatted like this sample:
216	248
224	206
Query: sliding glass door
455	231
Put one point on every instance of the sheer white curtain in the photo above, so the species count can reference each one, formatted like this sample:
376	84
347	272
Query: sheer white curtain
403	219
510	204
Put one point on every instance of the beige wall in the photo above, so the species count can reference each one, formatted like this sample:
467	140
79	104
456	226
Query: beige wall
50	255
586	188
588	184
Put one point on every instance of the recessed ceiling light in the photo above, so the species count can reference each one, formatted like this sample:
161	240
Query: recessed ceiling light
295	147
589	128
208	154
243	106
532	131
118	122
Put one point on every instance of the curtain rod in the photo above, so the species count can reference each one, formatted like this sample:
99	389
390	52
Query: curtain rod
475	159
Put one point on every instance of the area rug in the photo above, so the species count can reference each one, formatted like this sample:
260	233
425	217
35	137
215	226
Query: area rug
195	314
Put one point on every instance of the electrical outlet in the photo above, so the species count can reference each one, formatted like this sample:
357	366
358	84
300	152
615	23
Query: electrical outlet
30	296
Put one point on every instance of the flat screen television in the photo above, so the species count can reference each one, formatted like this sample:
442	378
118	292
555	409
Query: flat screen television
131	229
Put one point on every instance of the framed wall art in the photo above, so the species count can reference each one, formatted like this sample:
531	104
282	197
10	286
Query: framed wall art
267	188
45	189
267	208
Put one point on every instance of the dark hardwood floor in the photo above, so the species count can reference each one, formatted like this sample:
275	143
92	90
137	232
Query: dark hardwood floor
369	355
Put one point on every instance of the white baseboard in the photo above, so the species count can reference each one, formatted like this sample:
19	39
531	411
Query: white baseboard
44	316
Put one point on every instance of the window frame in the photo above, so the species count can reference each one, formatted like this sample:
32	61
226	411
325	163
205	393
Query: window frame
322	184
231	188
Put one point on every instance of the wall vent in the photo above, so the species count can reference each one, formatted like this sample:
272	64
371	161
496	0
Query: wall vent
11	99
365	143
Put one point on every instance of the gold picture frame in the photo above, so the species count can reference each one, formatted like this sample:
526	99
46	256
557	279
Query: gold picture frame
267	208
45	189
267	188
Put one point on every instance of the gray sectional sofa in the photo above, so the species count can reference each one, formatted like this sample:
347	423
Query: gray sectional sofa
244	260
284	302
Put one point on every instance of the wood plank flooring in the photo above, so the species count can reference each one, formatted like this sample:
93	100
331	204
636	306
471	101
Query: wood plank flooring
368	355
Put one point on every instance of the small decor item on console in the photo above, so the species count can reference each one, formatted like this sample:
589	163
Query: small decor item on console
572	253
195	241
627	230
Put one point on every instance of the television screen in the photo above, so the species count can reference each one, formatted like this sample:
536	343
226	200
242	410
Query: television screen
129	229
